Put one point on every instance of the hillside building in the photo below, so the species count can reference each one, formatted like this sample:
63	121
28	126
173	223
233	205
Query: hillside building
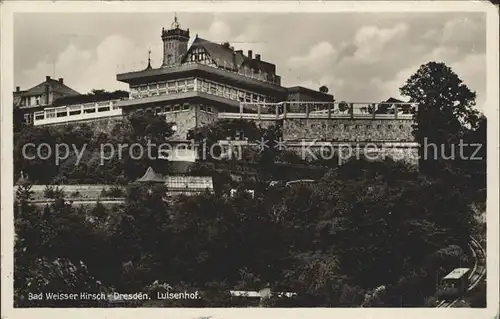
199	84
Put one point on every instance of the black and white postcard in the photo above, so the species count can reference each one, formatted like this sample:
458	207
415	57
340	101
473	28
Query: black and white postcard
242	159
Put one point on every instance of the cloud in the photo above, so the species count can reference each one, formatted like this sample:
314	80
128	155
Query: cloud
319	52
85	70
372	41
377	60
472	70
219	31
359	56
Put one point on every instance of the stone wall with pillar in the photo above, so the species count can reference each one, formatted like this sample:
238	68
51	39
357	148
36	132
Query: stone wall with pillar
102	125
348	129
398	151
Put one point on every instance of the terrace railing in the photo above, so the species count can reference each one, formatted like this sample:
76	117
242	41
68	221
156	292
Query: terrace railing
322	110
78	112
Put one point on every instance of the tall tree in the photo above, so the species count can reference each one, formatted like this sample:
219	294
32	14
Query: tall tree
445	109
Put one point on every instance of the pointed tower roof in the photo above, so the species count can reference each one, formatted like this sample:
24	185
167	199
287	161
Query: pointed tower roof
149	61
151	177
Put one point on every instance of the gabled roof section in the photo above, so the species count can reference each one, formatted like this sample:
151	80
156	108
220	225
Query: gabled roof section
259	65
150	177
394	100
221	55
54	86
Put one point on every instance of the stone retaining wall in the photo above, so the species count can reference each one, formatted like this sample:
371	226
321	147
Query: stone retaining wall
348	129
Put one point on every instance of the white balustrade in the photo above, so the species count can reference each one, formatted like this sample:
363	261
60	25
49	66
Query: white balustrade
80	112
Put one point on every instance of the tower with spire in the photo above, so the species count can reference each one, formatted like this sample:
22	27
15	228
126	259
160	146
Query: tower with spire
175	43
149	60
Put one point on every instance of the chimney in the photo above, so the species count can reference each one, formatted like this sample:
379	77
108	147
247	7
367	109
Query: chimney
257	57
47	78
250	54
18	89
47	91
61	80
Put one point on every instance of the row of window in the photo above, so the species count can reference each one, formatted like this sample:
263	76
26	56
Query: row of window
28	118
31	100
231	92
170	45
199	55
71	110
173	108
355	126
175	86
199	85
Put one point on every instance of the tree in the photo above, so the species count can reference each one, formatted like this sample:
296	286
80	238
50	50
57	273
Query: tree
50	246
18	119
343	106
208	136
371	233
445	108
150	132
34	154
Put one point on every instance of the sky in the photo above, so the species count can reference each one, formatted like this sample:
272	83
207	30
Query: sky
360	57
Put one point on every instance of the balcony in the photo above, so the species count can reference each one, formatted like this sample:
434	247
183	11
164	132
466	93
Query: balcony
323	110
245	72
243	76
149	98
81	112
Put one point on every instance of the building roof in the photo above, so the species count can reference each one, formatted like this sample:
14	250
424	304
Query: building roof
189	183
225	56
393	100
222	55
90	97
150	176
54	86
302	89
457	273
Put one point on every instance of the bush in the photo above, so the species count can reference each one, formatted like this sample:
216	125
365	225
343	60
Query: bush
51	191
113	192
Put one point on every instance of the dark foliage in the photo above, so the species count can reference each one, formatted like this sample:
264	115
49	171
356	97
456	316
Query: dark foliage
93	96
362	226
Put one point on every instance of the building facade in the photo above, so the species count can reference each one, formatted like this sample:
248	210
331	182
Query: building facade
197	85
40	97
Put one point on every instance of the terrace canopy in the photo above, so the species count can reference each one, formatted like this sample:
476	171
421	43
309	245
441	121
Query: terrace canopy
151	177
